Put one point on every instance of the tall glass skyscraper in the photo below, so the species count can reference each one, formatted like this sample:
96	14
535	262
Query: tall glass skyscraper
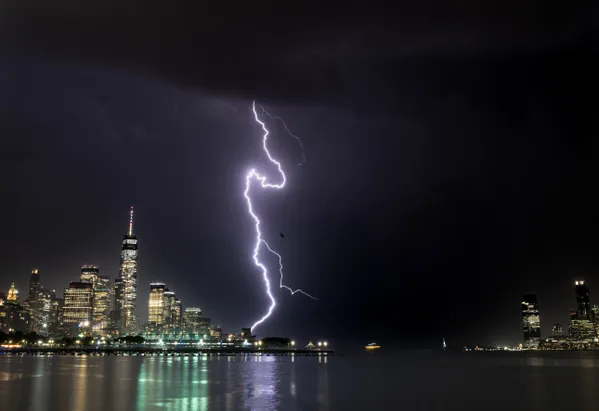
90	274
34	305
34	285
582	326
583	304
531	321
127	297
156	304
78	307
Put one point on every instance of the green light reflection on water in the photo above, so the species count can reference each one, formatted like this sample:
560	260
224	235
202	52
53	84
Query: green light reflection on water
184	381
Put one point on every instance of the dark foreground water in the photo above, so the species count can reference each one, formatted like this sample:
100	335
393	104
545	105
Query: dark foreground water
405	381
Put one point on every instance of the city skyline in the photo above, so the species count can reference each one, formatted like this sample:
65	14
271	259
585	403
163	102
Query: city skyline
448	155
95	305
90	278
582	328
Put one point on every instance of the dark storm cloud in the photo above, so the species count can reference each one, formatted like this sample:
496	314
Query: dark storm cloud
272	50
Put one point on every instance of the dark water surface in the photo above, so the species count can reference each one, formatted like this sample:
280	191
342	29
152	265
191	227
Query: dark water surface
404	381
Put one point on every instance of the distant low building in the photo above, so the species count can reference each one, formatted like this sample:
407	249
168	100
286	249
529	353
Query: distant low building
557	331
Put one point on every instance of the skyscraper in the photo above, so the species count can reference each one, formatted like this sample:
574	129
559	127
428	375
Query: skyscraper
13	294
170	307
128	278
582	327
583	304
90	274
116	307
56	315
33	303
178	314
194	322
156	304
34	285
14	316
102	294
102	298
78	307
531	321
42	313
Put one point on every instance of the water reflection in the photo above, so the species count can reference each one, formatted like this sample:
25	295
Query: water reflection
323	384
564	381
79	385
589	387
262	384
39	388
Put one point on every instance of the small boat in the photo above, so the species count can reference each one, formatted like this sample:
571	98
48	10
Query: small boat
372	346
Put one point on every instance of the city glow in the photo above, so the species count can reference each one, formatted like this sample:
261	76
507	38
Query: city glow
251	176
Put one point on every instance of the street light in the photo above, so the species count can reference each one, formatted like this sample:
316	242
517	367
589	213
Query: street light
293	343
319	344
326	343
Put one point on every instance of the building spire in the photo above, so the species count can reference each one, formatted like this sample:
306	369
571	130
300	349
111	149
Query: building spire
131	222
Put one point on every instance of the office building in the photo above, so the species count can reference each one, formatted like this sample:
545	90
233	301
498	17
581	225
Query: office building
178	313
13	294
582	324
34	285
55	326
127	297
583	304
13	316
90	274
102	305
169	308
78	307
531	321
192	316
195	323
42	312
557	331
156	304
115	313
34	304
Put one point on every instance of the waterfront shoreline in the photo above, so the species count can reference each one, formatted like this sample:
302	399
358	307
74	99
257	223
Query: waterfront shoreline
146	351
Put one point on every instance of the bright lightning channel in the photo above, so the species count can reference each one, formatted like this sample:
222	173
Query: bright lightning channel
304	159
251	176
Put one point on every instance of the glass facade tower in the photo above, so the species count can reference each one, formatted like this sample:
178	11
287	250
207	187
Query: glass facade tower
127	296
531	321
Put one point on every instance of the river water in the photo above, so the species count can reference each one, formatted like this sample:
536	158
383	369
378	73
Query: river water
401	381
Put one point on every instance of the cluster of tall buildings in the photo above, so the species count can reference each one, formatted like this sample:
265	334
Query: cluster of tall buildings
96	307
583	330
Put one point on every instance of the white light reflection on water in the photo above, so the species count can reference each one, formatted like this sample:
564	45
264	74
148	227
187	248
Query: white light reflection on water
261	383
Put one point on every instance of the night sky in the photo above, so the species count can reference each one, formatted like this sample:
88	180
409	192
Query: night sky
451	159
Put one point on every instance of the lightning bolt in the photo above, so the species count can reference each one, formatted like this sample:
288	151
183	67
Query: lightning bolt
253	175
304	159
